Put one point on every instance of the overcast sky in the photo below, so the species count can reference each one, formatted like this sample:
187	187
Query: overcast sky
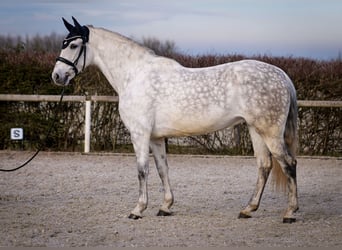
309	28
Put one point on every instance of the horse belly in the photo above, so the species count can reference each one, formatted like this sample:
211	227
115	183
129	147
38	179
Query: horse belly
173	125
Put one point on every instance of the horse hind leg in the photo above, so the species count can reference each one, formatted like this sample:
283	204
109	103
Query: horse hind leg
264	162
288	165
159	154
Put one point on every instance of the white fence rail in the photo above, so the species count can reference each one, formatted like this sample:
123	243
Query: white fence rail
75	98
89	99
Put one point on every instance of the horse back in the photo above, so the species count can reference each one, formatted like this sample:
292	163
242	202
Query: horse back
184	101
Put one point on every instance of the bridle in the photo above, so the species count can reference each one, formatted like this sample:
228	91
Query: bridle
66	43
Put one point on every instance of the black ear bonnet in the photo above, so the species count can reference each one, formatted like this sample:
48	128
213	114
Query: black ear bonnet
76	31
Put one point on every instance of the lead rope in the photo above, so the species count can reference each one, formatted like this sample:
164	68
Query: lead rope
44	144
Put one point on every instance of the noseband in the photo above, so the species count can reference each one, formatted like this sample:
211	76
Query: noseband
66	42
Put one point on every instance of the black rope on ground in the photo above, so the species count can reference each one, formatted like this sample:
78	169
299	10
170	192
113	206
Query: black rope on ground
46	138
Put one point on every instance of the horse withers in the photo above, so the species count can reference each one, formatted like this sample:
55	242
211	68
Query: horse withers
159	98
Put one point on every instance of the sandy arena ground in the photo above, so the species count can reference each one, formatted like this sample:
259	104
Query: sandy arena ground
68	199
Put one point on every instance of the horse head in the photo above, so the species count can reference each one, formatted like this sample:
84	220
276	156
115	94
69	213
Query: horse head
74	46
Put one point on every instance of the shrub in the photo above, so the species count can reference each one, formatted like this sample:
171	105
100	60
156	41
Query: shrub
27	70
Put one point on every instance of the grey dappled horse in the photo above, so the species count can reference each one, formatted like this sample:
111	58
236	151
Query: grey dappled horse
160	98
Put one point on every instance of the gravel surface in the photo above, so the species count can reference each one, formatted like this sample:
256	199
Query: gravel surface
70	199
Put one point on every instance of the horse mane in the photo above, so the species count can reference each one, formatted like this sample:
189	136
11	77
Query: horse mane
123	39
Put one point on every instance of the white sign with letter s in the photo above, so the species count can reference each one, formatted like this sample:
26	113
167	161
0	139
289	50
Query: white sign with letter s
17	134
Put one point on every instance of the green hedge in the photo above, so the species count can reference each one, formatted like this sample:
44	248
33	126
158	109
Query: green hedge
29	72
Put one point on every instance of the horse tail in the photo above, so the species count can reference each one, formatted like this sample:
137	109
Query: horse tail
279	179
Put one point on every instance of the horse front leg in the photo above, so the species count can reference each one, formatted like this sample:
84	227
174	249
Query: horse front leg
141	148
159	154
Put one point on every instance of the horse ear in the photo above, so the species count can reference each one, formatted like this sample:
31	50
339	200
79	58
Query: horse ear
69	26
77	25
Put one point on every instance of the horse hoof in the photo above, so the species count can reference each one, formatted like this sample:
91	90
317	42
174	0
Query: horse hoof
163	213
244	216
134	217
289	220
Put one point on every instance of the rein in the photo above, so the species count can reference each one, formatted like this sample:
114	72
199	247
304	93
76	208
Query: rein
42	145
75	33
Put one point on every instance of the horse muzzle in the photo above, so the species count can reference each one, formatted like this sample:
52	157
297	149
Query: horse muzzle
62	78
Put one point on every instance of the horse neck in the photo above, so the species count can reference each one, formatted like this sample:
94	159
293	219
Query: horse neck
116	56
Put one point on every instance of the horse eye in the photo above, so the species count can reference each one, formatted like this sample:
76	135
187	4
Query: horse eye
73	46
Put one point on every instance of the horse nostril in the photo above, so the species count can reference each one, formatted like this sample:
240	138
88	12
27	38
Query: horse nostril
56	76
